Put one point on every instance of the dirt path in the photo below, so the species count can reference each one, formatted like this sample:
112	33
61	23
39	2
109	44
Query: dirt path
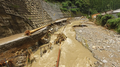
73	54
105	44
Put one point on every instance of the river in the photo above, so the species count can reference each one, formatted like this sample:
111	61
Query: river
73	53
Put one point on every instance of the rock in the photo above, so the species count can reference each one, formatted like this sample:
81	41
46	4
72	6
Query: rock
106	38
104	61
98	41
45	40
108	46
80	31
98	64
94	47
111	55
100	47
20	61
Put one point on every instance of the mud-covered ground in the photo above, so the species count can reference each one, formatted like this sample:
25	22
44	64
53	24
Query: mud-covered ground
73	53
18	54
103	43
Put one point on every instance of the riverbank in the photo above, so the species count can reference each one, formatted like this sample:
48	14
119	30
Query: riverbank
103	43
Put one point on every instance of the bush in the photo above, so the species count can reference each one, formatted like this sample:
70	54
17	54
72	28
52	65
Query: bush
69	3
74	10
64	5
93	11
114	24
98	19
118	14
118	30
89	17
63	9
111	24
105	18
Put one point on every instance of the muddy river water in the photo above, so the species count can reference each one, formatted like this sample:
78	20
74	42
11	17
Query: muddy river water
73	53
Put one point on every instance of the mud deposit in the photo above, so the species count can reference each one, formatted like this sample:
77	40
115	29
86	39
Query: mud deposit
17	54
73	53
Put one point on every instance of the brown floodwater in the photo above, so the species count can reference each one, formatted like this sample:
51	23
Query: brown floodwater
73	54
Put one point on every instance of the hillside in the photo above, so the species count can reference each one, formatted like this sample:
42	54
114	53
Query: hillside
88	6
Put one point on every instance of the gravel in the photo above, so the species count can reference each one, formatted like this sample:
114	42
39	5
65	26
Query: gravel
103	43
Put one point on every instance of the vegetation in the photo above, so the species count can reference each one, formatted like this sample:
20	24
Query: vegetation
114	24
118	14
105	18
98	19
102	20
88	6
109	21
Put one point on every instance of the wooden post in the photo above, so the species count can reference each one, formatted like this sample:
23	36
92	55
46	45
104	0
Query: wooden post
58	56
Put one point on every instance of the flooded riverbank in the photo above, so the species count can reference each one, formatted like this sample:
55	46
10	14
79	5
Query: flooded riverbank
73	54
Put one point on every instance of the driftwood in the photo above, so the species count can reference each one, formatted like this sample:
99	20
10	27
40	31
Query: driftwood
60	37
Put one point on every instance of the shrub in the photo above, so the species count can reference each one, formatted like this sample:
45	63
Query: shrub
118	14
114	24
64	5
118	29
117	22
98	19
105	18
63	9
69	3
89	17
93	11
74	10
111	24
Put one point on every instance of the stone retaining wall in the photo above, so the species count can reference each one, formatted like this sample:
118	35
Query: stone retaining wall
16	16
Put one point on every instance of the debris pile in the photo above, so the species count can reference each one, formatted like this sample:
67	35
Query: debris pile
80	26
21	58
46	38
60	37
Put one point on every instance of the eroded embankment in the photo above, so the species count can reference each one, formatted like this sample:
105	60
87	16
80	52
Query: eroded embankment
16	50
73	54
